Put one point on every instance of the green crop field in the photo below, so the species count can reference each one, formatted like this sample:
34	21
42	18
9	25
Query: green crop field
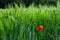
21	23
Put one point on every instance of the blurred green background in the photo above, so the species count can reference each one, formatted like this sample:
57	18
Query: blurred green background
21	22
27	3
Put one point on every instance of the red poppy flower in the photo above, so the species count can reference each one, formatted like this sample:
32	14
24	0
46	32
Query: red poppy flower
40	28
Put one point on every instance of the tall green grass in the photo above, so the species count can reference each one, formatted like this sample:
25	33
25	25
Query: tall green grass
20	23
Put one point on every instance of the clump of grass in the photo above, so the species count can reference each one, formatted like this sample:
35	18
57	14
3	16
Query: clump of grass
20	23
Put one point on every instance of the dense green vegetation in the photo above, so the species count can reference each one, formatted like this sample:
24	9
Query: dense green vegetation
20	23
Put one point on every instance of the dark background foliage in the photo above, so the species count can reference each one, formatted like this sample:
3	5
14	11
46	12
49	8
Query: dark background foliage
3	3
